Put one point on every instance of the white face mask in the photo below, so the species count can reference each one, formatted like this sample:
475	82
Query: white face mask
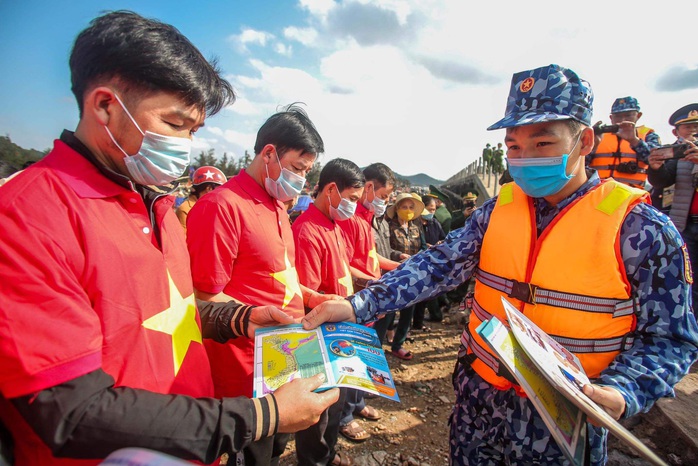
160	159
377	206
286	187
344	211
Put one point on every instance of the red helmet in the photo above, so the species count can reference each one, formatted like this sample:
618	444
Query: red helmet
208	174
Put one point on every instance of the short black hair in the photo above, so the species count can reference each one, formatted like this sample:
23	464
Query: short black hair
427	200
290	129
343	172
380	174
146	55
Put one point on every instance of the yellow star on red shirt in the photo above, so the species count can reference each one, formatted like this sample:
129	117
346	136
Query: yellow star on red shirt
289	278
179	320
373	256
346	280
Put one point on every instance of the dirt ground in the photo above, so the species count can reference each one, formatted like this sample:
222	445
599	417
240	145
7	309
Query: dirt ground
415	432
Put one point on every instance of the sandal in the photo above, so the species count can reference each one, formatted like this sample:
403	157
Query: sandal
354	432
342	459
369	412
402	353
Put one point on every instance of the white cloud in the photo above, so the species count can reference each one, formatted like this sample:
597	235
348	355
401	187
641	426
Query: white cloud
283	49
318	8
306	36
420	93
249	36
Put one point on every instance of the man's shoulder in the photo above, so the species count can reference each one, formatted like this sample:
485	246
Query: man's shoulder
37	183
652	224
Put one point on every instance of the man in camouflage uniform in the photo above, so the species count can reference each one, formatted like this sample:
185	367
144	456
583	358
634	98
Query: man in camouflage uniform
548	134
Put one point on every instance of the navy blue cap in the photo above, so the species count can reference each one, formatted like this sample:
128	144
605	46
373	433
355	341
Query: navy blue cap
625	104
686	114
545	94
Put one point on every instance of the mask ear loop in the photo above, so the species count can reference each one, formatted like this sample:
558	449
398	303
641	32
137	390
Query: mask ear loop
129	114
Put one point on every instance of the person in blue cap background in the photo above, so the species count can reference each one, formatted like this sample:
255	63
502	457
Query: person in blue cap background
623	154
619	266
681	174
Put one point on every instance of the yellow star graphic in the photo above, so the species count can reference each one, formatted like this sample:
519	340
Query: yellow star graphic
346	280
179	320
373	255
289	277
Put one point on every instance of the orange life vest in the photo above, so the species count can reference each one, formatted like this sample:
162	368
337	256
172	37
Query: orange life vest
615	158
570	280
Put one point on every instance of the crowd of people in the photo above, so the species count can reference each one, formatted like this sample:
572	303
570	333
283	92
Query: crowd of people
127	322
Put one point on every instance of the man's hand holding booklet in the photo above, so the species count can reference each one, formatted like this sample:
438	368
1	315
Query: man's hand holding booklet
554	380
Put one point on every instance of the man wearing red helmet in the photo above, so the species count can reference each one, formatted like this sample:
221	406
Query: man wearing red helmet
205	180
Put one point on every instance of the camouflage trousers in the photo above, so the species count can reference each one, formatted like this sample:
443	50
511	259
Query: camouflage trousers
490	427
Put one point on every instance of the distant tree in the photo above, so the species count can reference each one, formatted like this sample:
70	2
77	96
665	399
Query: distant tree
13	157
313	176
205	158
228	167
245	161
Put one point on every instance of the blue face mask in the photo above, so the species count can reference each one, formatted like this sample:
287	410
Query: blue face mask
344	211
286	187
541	176
377	205
160	159
428	217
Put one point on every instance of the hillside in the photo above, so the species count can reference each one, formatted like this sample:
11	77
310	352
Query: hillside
14	157
420	179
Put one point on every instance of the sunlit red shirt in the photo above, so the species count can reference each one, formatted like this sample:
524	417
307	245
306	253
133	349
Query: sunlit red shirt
85	286
321	253
359	235
240	243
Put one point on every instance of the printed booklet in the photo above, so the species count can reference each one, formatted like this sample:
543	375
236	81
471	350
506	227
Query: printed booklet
349	355
553	378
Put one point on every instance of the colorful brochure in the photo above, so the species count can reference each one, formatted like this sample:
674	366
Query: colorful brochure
349	355
523	345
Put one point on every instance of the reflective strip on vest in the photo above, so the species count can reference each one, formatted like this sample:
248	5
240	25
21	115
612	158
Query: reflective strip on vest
533	294
612	151
525	265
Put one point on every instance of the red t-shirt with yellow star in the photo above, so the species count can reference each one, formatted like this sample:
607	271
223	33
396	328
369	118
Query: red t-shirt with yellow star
240	243
321	253
86	286
359	235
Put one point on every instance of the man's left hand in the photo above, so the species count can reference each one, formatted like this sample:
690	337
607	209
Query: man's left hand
318	298
626	130
266	316
608	398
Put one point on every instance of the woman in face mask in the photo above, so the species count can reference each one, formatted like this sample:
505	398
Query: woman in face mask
322	262
405	236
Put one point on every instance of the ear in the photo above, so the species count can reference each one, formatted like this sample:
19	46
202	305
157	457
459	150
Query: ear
639	114
674	132
331	187
587	141
268	153
99	105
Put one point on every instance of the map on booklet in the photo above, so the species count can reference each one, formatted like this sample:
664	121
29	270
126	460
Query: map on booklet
349	355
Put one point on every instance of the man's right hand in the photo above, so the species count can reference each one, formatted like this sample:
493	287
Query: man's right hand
329	311
299	406
655	160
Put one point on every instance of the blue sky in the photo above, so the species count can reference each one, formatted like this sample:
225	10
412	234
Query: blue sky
411	83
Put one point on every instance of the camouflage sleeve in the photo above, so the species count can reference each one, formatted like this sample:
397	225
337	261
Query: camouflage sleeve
644	147
427	274
666	339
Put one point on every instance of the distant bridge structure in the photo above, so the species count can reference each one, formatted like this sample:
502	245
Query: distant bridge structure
476	178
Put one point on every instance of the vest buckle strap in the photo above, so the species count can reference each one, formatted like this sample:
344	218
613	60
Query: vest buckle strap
479	312
480	353
522	291
626	308
607	345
